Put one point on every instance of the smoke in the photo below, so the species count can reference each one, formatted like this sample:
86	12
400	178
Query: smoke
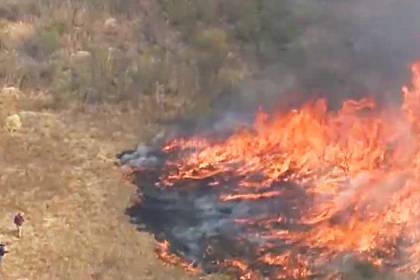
336	50
344	49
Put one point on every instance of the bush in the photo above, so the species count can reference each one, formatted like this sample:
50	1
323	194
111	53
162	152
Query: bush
86	80
245	17
265	24
10	69
180	12
62	87
124	7
212	50
15	10
22	72
49	41
109	75
150	68
45	42
208	11
229	79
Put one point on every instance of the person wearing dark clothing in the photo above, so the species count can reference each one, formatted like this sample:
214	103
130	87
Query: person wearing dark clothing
3	252
19	220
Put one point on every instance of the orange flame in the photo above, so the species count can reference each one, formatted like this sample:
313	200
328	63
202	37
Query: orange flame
360	164
163	253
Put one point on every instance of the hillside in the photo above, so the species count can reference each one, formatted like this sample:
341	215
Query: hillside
58	168
83	80
70	78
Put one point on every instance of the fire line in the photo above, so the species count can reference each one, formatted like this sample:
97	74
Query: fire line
296	195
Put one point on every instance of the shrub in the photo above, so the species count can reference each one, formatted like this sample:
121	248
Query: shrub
245	17
124	7
109	75
22	72
180	12
212	50
15	10
49	41
62	87
229	79
86	80
46	41
208	11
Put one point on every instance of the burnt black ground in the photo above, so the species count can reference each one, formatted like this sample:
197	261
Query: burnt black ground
201	228
205	231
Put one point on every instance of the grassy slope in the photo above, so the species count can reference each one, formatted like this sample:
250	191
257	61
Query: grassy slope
59	170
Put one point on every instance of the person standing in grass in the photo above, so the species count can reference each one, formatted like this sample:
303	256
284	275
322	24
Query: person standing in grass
19	220
3	251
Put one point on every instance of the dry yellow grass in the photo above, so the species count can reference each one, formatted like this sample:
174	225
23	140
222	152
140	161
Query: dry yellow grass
58	169
14	34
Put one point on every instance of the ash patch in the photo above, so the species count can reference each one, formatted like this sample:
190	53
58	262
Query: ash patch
201	228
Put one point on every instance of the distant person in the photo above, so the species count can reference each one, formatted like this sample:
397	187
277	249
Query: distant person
3	251
19	220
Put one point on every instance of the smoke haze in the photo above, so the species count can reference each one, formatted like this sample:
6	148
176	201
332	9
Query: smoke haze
345	49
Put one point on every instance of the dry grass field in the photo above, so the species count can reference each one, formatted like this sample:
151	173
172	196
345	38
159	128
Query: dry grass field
59	169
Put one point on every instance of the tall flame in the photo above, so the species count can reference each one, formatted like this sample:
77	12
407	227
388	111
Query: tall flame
360	166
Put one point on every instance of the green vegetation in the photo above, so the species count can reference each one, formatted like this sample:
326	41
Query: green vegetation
106	51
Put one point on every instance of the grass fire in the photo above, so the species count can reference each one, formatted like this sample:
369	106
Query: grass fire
269	139
295	196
